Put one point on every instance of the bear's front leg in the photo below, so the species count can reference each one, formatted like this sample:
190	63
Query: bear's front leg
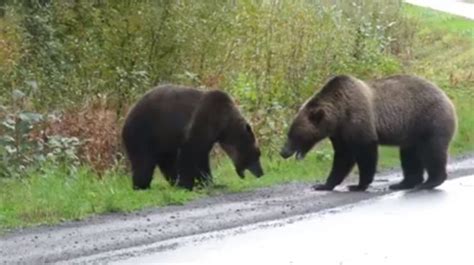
342	164
194	162
205	175
188	169
366	157
185	181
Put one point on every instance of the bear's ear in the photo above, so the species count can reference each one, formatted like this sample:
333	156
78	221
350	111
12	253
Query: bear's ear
316	116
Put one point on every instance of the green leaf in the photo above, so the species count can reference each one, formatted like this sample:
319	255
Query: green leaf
33	84
6	139
30	117
17	94
10	150
8	125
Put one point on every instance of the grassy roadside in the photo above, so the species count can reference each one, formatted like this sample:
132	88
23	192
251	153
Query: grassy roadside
443	53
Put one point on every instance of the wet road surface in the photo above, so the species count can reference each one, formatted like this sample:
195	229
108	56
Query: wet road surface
414	227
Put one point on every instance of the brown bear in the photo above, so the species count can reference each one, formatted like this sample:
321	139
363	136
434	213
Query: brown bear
176	127
402	110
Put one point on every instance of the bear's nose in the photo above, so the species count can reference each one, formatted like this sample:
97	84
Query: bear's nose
256	169
286	151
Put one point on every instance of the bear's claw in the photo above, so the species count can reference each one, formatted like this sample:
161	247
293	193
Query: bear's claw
402	186
357	187
322	187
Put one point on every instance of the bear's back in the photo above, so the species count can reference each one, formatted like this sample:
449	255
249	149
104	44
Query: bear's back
160	117
408	107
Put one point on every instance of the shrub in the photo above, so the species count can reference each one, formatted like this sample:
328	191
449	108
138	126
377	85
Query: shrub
270	55
21	149
99	131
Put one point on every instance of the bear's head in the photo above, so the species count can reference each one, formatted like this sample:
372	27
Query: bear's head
239	143
313	123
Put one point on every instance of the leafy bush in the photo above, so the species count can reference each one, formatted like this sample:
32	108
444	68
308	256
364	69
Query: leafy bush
19	149
98	129
270	55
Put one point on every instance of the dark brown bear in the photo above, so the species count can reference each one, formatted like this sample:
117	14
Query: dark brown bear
176	127
405	111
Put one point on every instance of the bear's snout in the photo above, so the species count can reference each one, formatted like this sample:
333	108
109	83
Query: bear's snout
256	169
287	150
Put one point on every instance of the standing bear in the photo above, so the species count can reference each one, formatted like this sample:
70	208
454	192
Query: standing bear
402	110
176	127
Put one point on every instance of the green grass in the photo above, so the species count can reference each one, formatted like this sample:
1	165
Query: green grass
441	21
57	195
443	52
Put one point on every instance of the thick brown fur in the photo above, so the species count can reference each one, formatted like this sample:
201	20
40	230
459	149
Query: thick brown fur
176	127
402	110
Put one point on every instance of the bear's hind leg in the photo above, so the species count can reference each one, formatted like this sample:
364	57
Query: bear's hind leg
342	164
142	168
168	164
435	156
366	157
412	168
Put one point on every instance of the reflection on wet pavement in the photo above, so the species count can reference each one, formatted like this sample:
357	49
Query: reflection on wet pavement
413	227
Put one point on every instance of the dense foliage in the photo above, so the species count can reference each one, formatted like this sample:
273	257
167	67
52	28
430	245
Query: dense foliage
67	58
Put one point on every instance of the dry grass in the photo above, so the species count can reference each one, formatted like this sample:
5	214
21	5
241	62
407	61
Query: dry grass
98	129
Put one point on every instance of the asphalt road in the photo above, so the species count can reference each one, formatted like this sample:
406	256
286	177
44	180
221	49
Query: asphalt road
421	227
116	237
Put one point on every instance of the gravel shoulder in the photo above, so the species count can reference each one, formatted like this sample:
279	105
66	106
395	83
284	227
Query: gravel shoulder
81	241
